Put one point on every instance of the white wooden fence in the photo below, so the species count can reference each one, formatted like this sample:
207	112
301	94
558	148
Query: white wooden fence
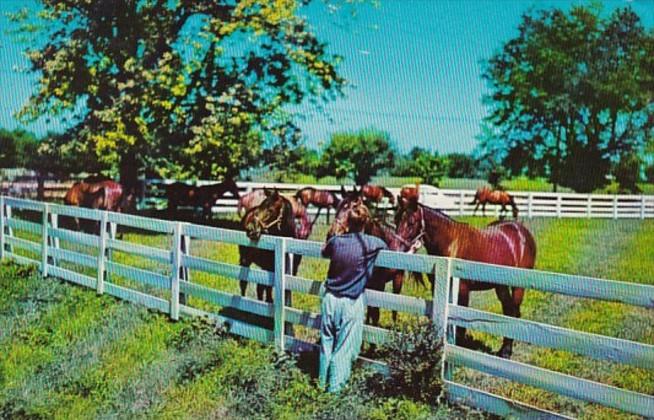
48	246
458	202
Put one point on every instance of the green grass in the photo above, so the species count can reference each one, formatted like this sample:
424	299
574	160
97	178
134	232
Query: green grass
56	334
68	353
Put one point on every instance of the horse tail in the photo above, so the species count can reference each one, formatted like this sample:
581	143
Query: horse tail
514	207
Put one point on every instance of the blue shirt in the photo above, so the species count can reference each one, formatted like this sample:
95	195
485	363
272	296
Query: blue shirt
352	260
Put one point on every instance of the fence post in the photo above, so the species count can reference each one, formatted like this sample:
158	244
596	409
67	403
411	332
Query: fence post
174	278
559	200
54	242
589	201
642	207
461	203
113	228
530	203
442	274
2	227
279	289
615	207
102	252
10	231
185	274
44	241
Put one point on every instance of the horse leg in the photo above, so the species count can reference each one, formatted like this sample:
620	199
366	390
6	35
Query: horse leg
483	209
464	300
245	262
397	288
510	307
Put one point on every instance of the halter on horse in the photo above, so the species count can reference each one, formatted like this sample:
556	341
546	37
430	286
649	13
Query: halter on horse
273	217
504	243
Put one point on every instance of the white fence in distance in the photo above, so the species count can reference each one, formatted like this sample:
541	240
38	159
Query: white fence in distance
459	202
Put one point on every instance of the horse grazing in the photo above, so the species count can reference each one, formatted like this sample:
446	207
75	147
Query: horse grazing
374	227
485	196
272	217
181	194
374	194
502	242
318	198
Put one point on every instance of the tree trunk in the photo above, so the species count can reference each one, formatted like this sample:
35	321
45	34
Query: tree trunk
556	170
129	171
40	186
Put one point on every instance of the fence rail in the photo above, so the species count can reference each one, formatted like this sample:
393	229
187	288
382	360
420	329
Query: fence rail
29	242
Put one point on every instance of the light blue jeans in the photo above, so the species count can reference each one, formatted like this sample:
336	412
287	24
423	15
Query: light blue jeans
341	334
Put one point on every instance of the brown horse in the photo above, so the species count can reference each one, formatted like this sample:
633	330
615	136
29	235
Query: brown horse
250	200
103	195
504	243
272	217
376	193
408	193
374	227
322	199
181	194
485	196
255	198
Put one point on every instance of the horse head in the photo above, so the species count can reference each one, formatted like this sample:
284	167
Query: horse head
410	222
350	201
271	216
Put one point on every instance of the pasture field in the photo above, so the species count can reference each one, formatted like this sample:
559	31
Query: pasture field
69	351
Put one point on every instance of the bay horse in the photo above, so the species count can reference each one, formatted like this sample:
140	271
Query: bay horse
272	217
485	195
374	194
101	195
205	196
318	198
255	198
502	242
374	227
408	193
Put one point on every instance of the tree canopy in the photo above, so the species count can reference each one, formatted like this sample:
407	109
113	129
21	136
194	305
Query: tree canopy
570	94
191	87
359	155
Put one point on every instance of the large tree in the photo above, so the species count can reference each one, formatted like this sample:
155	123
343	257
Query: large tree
192	87
358	155
570	94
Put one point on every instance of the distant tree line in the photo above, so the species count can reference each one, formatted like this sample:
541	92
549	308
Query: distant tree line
356	156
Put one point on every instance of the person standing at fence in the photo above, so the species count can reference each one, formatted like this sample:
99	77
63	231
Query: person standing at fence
343	308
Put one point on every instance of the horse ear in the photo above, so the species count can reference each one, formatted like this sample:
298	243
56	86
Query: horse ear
343	190
266	191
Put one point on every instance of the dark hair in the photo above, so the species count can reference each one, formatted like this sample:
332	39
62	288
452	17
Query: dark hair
357	218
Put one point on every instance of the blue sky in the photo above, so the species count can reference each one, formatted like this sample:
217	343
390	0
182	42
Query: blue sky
415	67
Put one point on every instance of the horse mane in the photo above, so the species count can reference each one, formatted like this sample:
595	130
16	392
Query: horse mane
441	213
